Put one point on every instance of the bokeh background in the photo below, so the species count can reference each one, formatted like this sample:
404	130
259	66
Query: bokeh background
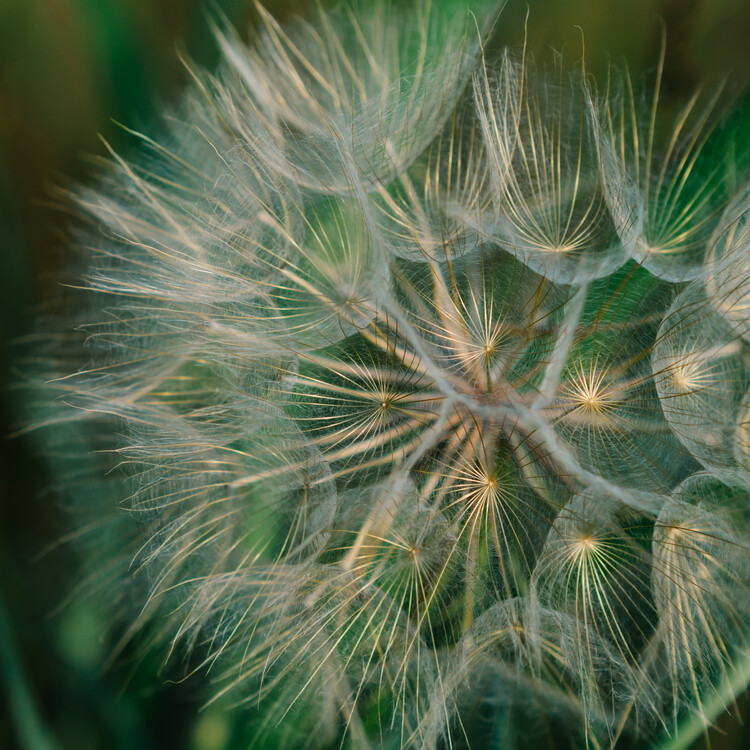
70	70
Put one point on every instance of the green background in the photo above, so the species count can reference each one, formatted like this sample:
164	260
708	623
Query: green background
69	71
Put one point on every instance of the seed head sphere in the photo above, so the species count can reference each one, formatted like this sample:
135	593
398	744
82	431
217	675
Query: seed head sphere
423	376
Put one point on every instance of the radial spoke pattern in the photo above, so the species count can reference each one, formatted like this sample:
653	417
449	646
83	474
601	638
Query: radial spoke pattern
420	383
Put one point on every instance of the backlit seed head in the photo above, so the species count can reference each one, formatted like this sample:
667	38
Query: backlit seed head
414	402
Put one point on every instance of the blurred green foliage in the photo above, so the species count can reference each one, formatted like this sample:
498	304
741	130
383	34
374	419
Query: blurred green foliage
70	70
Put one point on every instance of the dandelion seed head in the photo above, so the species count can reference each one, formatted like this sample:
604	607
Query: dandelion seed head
420	381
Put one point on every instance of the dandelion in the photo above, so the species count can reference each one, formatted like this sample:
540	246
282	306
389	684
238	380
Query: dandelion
549	202
668	202
421	382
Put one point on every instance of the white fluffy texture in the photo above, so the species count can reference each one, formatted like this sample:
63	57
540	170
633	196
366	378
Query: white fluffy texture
410	402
